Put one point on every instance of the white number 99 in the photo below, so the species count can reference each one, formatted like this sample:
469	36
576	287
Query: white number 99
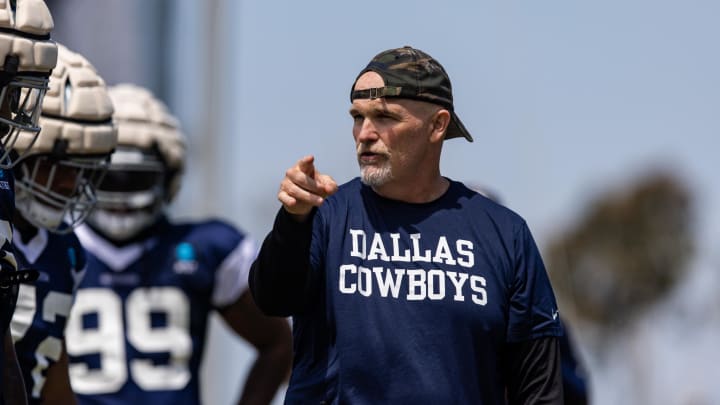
108	339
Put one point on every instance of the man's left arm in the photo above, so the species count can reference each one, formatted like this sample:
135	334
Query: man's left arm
532	367
271	337
533	372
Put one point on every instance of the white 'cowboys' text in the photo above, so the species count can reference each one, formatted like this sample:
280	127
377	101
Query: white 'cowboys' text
421	284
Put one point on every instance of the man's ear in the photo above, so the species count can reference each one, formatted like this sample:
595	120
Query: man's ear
440	123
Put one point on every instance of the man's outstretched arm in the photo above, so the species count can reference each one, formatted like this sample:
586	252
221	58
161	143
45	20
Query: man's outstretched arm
279	275
280	278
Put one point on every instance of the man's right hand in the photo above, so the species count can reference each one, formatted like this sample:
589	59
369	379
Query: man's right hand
304	188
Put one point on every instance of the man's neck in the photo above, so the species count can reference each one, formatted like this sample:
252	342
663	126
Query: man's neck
26	230
414	192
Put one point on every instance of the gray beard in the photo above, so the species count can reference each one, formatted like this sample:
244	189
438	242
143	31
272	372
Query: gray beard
375	177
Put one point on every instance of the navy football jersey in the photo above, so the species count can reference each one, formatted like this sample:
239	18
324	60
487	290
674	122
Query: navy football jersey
7	259
42	309
7	209
414	303
138	326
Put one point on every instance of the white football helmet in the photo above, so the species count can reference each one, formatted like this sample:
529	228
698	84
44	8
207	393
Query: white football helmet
146	168
56	174
27	55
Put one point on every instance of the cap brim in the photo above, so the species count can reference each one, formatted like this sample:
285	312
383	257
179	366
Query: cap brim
456	129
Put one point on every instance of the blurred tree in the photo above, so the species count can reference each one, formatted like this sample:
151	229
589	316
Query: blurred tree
626	252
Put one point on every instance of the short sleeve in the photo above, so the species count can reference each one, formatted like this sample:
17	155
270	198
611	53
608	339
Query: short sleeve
533	311
231	278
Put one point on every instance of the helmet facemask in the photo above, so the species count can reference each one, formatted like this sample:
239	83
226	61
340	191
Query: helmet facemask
21	100
131	196
57	168
58	194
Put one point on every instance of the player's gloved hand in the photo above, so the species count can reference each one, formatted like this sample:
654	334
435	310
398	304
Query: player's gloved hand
304	188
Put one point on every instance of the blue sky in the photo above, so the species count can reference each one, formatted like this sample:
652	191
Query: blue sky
565	99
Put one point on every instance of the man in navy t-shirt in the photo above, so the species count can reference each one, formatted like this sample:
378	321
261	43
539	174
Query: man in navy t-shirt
406	286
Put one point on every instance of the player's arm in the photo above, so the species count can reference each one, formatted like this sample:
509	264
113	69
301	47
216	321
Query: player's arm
533	372
273	341
57	388
13	384
279	276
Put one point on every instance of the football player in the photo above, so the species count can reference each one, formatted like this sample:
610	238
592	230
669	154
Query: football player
27	55
137	329
54	191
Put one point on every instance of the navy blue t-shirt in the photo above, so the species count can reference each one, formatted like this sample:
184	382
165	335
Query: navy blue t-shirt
414	303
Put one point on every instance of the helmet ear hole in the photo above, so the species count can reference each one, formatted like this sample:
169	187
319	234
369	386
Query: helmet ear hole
11	64
172	185
155	148
60	148
171	181
67	94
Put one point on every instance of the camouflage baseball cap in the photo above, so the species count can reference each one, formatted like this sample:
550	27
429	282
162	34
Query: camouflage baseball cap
411	73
